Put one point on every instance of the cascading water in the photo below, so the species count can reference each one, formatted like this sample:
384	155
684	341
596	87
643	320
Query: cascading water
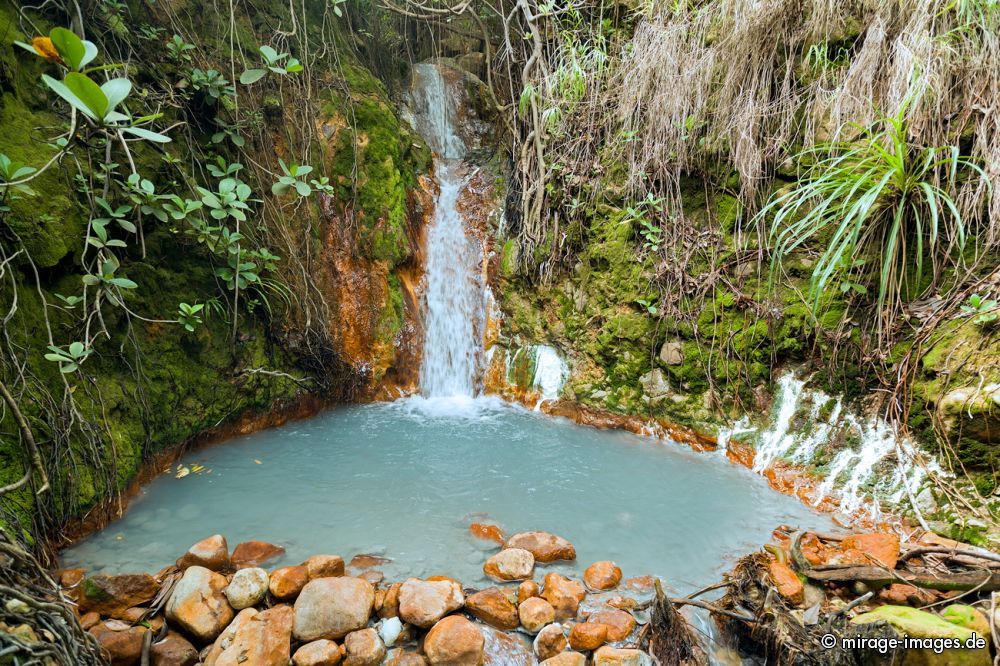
455	294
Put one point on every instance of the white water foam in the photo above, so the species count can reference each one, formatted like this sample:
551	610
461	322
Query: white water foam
550	372
455	294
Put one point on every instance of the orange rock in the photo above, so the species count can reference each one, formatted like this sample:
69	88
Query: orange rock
814	551
493	606
211	553
788	584
287	582
619	623
544	546
390	603
89	620
900	594
71	577
487	532
550	641
113	595
254	553
588	636
366	561
510	564
564	594
123	643
173	650
874	548
526	590
454	641
740	453
603	575
324	566
535	613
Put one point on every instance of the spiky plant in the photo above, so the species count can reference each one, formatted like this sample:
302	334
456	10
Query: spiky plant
883	209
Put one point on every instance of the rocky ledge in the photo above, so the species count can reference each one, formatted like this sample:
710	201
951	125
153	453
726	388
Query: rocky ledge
221	608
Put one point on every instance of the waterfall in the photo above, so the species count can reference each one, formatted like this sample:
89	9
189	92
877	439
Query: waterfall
809	427
455	295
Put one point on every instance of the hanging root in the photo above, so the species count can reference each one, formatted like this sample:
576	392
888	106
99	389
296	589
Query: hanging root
37	623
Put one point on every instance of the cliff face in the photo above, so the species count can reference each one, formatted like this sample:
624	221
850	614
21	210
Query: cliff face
333	312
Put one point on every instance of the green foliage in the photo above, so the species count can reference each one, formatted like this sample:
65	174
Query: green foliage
69	358
187	315
279	63
984	309
12	172
212	83
178	49
877	198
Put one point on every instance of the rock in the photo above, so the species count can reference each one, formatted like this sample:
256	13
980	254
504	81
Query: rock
373	576
367	561
173	650
247	588
609	656
254	553
564	594
535	613
604	575
390	603
258	638
672	353
654	383
921	624
398	657
318	653
526	590
286	582
422	602
324	566
134	615
550	641
88	620
544	546
968	617
389	630
587	636
788	584
454	641
363	648
211	553
877	548
70	578
510	564
123	643
113	595
487	532
332	607
620	623
566	659
494	607
900	594
198	604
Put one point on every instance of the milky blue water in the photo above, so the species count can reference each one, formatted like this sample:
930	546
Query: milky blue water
405	479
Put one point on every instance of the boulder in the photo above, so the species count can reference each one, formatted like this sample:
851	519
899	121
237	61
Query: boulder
259	638
787	582
286	583
317	653
332	607
454	641
122	642
604	575
390	602
398	657
211	553
655	384
113	595
487	532
254	553
422	602
324	566
875	548
389	630
526	590
620	623
544	546
587	636
173	650
495	607
968	617
367	561
550	641
198	604
564	594
510	564
363	648
247	588
535	613
609	656
566	659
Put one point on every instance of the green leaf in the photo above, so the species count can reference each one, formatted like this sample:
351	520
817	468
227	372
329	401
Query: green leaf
155	137
60	89
76	349
252	76
70	47
270	55
124	283
90	52
116	90
89	93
